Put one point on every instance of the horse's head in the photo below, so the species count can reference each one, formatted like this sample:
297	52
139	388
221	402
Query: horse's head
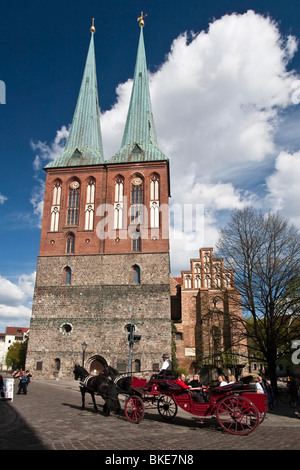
109	371
76	371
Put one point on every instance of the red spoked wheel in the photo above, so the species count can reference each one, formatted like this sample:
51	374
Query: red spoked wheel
237	415
167	407
134	409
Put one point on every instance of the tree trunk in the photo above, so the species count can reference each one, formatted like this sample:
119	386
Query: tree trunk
272	372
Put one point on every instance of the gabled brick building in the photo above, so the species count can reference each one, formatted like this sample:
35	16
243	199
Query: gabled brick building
202	304
104	248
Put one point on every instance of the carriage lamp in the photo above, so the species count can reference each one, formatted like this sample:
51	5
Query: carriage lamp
84	346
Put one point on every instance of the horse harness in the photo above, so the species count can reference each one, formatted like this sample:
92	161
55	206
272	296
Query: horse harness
84	383
116	380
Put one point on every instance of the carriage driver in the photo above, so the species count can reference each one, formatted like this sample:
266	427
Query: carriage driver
167	367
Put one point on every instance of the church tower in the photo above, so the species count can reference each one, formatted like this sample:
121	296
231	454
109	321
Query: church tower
104	250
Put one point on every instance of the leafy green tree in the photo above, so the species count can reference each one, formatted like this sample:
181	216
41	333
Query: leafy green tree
15	357
264	252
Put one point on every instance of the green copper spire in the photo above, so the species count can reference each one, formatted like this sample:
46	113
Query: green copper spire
84	144
139	141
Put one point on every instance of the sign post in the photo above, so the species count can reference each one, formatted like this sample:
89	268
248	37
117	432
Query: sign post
8	389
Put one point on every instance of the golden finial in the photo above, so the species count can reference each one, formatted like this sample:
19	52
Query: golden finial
93	29
141	19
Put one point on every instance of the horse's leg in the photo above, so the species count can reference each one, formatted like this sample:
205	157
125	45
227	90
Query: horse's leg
82	397
94	402
118	408
106	410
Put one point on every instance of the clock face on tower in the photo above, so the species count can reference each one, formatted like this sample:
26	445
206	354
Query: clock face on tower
74	185
136	181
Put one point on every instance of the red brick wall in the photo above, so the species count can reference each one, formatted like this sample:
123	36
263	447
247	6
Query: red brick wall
89	242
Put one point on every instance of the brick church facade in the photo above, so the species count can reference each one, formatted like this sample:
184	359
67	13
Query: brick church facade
104	250
104	253
203	303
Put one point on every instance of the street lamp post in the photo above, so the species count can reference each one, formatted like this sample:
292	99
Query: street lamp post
132	338
84	346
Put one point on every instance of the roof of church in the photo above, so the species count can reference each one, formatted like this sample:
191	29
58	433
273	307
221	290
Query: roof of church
84	144
139	141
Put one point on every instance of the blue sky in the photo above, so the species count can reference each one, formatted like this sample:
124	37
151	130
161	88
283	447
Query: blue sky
225	87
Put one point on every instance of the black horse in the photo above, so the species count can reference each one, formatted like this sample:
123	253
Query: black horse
100	385
123	383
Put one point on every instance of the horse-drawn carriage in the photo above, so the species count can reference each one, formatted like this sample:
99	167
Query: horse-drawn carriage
239	409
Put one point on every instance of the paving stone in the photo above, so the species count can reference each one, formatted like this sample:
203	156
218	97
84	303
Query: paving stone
49	417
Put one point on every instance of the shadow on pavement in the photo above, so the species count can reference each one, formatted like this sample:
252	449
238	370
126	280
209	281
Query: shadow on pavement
283	409
15	433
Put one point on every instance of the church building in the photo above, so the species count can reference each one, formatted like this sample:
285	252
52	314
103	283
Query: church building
206	312
103	263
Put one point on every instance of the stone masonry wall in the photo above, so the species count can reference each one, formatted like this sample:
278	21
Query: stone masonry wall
96	310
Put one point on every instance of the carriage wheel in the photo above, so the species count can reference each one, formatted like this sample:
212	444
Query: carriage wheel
134	409
167	407
237	415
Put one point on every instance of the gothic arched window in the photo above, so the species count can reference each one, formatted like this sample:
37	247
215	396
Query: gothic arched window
70	243
118	202
154	201
136	241
136	210
188	281
136	274
55	208
73	203
207	281
90	205
197	281
67	275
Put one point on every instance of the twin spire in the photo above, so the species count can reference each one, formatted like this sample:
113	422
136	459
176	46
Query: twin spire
84	145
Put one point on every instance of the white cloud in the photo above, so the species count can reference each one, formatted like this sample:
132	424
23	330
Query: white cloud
15	301
10	293
216	102
283	186
2	199
46	152
13	314
26	283
216	97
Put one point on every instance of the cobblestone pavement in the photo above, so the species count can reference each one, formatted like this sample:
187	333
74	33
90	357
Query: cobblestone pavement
49	418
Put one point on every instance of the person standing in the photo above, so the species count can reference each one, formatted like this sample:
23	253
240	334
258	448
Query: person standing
2	387
28	377
23	384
